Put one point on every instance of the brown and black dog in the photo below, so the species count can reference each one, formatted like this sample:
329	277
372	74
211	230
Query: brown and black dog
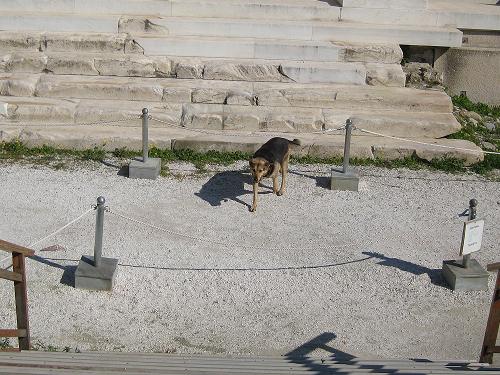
268	161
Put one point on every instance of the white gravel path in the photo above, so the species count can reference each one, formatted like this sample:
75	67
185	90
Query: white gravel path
300	268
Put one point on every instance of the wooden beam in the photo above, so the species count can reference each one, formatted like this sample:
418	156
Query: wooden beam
13	333
13	248
493	266
21	294
492	326
9	275
10	350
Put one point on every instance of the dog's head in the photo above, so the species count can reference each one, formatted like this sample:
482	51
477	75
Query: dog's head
260	168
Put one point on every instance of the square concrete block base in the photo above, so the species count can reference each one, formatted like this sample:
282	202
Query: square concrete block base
473	277
149	170
344	181
95	278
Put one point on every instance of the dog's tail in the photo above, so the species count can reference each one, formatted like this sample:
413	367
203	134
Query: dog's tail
296	141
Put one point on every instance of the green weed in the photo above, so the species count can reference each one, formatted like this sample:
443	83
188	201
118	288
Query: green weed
481	108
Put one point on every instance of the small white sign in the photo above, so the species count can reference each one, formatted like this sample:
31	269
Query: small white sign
472	236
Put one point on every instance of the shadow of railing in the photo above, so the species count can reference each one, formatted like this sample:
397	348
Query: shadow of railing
435	275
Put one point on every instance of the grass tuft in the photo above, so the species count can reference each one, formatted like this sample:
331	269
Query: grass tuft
481	108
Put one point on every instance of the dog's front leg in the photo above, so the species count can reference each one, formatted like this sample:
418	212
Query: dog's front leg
255	193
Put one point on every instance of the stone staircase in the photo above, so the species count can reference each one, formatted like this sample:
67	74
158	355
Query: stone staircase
225	74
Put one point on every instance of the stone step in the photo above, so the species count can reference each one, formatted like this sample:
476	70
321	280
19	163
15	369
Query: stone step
303	10
135	65
349	32
358	31
122	43
53	42
390	75
241	48
324	146
424	17
470	15
221	117
58	22
218	27
182	91
199	46
388	4
69	112
297	119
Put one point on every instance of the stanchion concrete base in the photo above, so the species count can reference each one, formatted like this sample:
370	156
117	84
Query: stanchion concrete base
95	278
344	181
149	170
474	277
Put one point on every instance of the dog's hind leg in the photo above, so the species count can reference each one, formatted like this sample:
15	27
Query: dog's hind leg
255	194
274	176
284	171
275	184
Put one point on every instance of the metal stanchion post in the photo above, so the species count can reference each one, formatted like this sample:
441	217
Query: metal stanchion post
99	230
148	168
97	272
346	178
145	135
472	216
347	145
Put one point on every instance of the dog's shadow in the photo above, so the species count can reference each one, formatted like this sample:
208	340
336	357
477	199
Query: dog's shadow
225	186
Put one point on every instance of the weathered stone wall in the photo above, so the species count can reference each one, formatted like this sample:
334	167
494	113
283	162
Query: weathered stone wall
475	70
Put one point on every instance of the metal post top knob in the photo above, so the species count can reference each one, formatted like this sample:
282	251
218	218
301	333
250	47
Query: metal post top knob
145	111
473	203
101	200
348	122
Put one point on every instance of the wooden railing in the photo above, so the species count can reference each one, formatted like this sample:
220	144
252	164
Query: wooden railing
18	276
491	333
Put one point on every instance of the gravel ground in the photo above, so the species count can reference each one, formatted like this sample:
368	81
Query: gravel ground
358	272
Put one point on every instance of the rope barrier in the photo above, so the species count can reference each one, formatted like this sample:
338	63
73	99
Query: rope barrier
62	228
425	143
53	233
198	239
224	133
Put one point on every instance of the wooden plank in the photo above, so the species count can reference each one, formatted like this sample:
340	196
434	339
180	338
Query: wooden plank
9	275
492	326
13	248
264	368
159	358
493	266
12	332
21	295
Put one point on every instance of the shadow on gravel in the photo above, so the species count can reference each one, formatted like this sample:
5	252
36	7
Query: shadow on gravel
68	276
49	261
321	181
122	169
226	186
434	274
301	355
337	361
319	342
